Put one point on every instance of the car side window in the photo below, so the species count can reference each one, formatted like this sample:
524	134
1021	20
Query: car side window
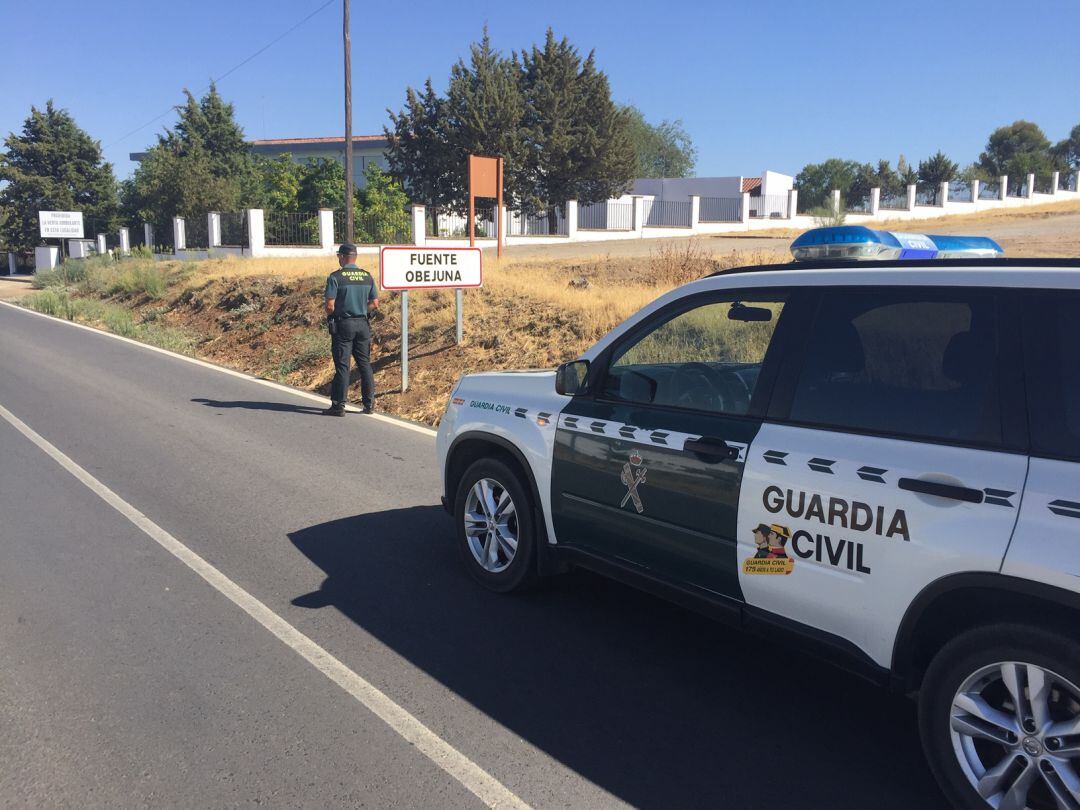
705	358
1053	382
918	363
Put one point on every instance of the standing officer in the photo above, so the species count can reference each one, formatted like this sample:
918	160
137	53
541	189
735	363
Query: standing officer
351	295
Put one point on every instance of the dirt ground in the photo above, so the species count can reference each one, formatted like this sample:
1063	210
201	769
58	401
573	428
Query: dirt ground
538	307
12	287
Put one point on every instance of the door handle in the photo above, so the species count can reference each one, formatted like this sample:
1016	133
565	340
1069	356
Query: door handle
950	491
711	449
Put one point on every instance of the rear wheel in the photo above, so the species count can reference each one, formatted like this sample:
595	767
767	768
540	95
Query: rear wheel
999	714
494	524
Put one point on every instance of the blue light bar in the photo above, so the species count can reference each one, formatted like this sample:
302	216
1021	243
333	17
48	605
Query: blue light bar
855	242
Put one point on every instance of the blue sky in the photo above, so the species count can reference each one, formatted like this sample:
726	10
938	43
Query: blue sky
757	84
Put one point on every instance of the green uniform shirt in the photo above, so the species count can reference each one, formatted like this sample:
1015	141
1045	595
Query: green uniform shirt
352	289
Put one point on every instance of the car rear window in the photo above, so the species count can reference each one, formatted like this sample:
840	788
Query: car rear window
918	363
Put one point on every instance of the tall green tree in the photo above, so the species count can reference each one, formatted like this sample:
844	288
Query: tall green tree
1017	150
322	185
420	151
816	181
53	165
1067	151
937	169
577	143
662	150
202	164
484	109
382	214
546	112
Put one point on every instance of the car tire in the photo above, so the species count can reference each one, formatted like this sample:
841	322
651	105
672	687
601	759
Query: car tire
495	527
1022	747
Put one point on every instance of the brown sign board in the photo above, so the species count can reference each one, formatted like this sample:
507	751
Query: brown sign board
484	176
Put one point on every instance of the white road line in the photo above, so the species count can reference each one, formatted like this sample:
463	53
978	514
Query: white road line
486	787
231	372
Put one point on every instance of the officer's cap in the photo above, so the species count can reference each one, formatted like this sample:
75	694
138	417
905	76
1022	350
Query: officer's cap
347	250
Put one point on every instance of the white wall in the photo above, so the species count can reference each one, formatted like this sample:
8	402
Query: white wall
776	183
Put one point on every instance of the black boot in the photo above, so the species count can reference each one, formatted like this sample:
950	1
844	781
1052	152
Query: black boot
335	409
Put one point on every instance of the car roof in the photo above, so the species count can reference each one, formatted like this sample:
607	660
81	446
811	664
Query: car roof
1034	273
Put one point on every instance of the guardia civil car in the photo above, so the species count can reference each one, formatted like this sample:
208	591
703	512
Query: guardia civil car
877	459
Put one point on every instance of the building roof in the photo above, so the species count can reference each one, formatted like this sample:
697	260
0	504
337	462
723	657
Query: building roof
299	141
750	183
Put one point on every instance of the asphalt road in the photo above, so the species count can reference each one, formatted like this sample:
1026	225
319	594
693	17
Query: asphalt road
126	679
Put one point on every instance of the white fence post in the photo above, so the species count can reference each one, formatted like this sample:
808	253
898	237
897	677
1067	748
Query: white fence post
975	194
835	202
1003	192
571	219
148	236
326	229
213	230
1030	185
944	192
419	225
11	262
792	203
125	242
639	215
102	248
1055	178
695	212
911	197
256	231
746	209
875	201
179	233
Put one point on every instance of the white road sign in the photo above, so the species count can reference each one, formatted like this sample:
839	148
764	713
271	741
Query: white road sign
61	224
419	268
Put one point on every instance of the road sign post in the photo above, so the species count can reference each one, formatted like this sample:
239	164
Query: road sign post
405	268
404	341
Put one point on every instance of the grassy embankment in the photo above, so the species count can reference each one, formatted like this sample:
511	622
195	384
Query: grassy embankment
264	316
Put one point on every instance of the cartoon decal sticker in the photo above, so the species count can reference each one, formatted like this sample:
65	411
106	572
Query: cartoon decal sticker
771	555
633	476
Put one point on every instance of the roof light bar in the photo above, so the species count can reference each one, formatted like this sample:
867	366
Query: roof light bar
858	243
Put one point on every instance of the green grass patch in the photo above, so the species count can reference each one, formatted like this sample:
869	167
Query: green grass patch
304	348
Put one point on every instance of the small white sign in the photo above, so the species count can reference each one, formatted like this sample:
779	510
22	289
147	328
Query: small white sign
419	268
61	224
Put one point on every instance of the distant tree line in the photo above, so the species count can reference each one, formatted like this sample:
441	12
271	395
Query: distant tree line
1016	150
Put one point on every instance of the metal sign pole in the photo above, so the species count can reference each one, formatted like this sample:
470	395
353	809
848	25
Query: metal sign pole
459	295
404	341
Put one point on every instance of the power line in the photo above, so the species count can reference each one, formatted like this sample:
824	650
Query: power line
226	74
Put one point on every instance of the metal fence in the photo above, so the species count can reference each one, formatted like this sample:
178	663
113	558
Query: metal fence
769	206
376	229
1017	188
959	191
1067	182
136	235
990	190
859	204
1044	185
444	223
196	236
538	223
720	209
928	194
893	200
609	216
667	214
234	229
291	229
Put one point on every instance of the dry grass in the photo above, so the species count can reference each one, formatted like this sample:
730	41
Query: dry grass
990	217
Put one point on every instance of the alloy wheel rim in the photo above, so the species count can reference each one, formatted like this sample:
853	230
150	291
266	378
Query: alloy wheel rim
491	525
1015	729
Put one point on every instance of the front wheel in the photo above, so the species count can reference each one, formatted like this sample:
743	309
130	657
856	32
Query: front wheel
999	716
494	524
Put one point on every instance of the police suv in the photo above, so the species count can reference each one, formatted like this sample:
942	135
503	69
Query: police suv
878	460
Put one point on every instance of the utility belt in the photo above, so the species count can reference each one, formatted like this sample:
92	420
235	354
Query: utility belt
333	321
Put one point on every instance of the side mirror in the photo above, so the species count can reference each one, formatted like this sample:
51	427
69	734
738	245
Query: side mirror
572	378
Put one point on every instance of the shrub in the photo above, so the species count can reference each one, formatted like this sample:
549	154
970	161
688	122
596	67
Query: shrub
828	215
50	302
304	348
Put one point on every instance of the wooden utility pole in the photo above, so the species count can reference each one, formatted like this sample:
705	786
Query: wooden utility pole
348	131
